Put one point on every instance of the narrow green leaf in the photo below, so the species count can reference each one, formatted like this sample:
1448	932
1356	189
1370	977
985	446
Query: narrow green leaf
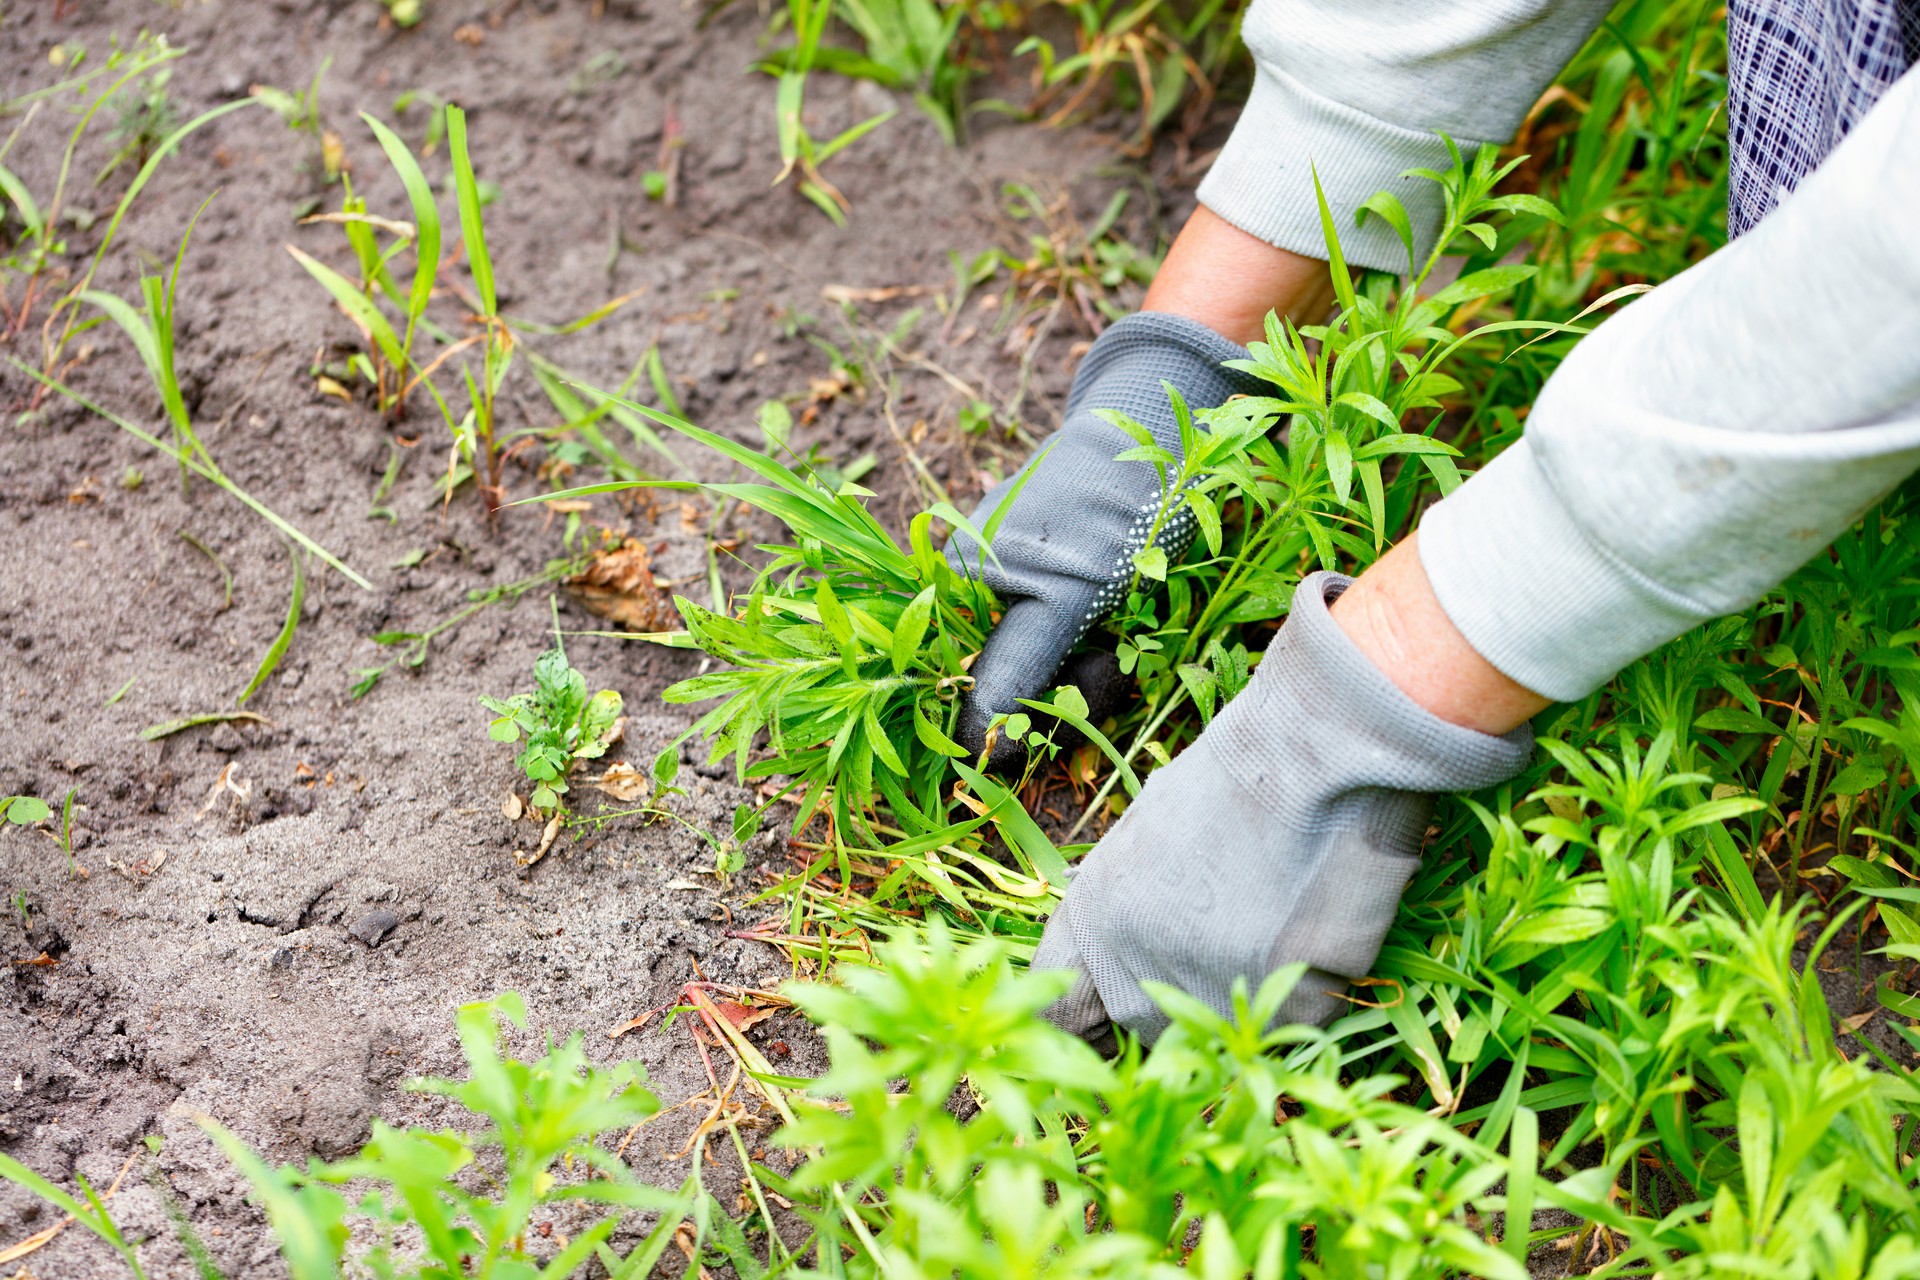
911	630
278	649
467	191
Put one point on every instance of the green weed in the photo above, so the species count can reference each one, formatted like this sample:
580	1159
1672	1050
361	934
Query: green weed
27	811
798	148
143	119
459	1201
298	110
1151	59
1066	266
561	724
412	647
391	315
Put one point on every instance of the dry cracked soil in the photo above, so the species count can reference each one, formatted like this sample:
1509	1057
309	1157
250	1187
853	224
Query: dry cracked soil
278	917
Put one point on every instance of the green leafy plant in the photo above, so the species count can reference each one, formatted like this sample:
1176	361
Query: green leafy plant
459	1201
1625	937
561	724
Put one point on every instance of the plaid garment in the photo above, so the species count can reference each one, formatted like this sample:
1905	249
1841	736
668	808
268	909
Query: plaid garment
1800	74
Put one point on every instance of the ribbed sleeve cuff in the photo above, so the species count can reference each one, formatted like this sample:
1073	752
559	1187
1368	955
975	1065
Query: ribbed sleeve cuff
1263	180
1532	592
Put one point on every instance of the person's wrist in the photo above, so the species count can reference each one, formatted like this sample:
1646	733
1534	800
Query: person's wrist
1228	280
1395	620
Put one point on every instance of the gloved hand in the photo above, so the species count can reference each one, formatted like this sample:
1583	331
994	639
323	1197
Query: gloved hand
1066	548
1285	833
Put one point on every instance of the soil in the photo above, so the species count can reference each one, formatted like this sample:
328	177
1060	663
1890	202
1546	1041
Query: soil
278	918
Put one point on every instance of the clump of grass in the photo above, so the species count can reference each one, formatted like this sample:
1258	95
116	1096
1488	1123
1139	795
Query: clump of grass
392	316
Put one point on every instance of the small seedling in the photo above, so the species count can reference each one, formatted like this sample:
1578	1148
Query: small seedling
145	119
65	835
298	110
561	723
798	149
436	107
411	647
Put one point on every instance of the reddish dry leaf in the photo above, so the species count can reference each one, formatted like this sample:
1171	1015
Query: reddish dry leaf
631	1024
743	1016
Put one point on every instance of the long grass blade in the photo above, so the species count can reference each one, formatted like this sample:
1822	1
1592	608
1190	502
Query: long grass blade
278	649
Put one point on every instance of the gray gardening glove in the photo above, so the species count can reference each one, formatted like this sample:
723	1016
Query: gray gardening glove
1285	833
1066	549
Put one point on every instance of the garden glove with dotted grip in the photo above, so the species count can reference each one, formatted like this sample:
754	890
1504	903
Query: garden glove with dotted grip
1065	550
1284	834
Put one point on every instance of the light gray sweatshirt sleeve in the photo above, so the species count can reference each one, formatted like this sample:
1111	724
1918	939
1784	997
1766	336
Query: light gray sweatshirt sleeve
1710	438
1356	89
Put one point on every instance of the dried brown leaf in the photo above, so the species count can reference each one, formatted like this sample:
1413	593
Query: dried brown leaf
618	585
623	782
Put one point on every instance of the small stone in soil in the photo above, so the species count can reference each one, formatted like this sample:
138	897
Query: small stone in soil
373	927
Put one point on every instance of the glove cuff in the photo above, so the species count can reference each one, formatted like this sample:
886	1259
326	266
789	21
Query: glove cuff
1315	696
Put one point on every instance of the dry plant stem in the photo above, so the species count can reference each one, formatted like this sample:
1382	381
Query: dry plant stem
1393	617
1228	280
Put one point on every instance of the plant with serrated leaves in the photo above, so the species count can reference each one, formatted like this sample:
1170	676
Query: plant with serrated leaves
561	723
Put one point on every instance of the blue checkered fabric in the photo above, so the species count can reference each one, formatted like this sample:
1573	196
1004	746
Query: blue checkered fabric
1800	74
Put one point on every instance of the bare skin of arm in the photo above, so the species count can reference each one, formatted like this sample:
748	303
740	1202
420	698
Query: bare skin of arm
1228	280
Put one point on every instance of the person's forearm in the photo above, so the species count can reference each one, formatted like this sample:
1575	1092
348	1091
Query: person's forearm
1708	440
